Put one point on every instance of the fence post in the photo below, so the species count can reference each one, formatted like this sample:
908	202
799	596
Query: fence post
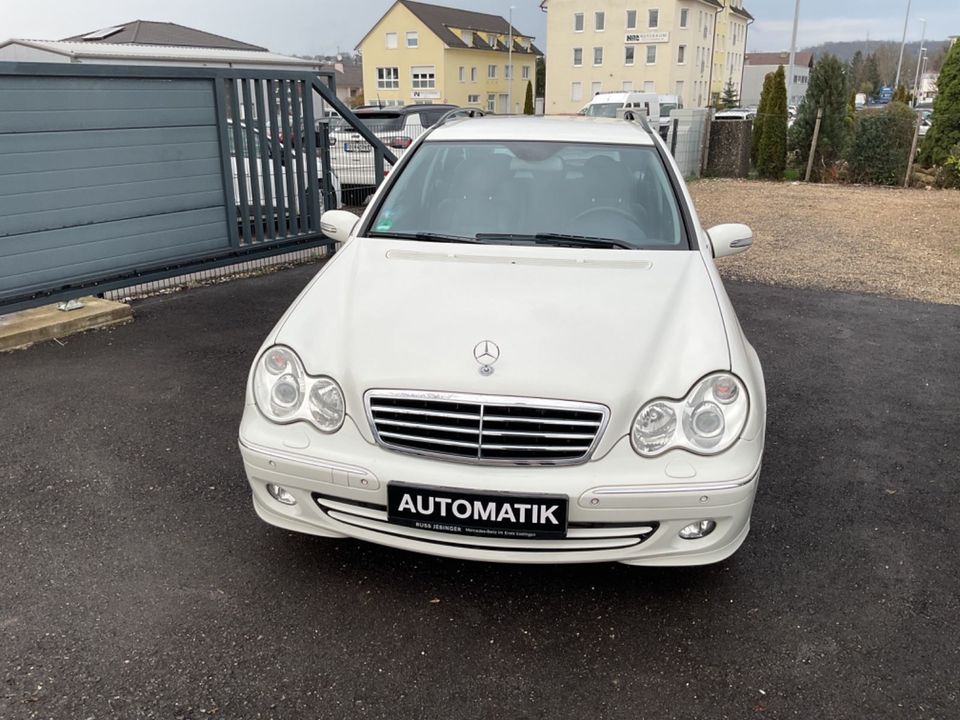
673	138
705	147
913	152
813	145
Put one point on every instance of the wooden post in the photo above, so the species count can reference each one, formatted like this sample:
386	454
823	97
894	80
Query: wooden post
813	145
913	152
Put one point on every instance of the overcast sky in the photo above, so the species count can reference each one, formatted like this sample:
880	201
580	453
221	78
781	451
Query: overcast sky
323	26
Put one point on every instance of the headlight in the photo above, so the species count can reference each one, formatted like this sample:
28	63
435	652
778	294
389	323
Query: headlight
285	393
707	421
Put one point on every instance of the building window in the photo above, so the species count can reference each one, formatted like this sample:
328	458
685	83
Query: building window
628	53
649	86
578	22
388	78
525	72
631	19
462	73
423	77
598	56
576	91
683	17
681	54
391	40
473	99
628	86
596	88
473	74
491	102
577	57
508	72
679	91
468	38
653	18
598	21
651	54
492	72
412	40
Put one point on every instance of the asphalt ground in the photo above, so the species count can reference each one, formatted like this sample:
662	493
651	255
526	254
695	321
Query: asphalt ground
136	581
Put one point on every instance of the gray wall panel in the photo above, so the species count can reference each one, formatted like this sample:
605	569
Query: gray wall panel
101	176
36	260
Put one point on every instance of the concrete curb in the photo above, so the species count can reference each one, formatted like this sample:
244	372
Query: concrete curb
24	328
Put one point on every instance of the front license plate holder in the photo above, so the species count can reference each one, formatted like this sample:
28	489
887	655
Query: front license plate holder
480	514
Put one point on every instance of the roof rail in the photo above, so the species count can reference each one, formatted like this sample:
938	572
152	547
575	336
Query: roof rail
638	117
459	112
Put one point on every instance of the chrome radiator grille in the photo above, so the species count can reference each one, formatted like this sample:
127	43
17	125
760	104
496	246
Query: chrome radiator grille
486	429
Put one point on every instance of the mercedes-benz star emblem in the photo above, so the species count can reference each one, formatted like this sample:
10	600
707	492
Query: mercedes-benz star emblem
486	353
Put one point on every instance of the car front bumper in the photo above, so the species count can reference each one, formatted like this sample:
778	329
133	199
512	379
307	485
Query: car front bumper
621	508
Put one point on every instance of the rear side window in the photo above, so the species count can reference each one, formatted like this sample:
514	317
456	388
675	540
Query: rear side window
382	121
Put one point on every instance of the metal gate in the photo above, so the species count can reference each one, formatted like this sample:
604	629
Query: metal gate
116	175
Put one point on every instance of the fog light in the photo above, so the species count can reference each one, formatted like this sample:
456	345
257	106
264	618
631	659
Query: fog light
699	529
282	495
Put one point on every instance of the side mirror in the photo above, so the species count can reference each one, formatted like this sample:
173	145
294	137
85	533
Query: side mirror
730	239
338	224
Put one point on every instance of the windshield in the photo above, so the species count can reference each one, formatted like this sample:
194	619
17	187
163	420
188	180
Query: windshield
667	108
603	109
516	192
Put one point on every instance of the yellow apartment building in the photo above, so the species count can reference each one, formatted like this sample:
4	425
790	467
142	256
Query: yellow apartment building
730	46
661	46
420	53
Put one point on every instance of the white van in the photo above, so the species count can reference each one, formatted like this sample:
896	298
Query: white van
607	104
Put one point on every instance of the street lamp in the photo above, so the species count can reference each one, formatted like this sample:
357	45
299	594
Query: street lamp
903	41
510	64
920	54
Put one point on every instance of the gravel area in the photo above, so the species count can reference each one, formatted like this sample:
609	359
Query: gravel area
881	241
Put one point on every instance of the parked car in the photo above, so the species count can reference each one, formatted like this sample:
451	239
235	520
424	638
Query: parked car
523	352
926	120
272	169
735	114
352	157
607	104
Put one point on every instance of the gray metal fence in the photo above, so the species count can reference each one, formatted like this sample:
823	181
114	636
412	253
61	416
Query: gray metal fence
112	176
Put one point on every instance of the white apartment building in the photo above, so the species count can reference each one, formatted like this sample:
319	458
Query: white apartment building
662	46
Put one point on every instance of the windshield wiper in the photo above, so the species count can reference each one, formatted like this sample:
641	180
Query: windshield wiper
557	239
425	236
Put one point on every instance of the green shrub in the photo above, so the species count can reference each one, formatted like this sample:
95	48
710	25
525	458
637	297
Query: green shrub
880	145
772	153
528	100
944	132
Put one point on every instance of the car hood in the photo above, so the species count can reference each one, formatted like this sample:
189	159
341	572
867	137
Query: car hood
616	327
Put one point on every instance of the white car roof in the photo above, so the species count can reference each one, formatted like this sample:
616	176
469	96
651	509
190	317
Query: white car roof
546	127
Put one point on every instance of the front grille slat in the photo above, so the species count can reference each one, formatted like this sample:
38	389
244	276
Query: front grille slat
486	429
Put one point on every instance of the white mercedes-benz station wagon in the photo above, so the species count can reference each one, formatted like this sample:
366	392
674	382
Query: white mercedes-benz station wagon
522	353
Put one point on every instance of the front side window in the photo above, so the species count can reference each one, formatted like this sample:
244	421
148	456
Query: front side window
388	78
536	192
598	21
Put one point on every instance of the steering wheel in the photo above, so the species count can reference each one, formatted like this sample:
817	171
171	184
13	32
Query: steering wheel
609	210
